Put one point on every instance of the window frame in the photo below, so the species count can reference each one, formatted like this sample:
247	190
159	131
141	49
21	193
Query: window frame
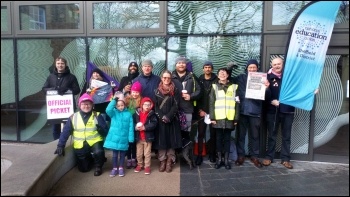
161	31
7	4
50	32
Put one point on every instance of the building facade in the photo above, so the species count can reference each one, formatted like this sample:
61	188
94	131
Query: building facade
112	33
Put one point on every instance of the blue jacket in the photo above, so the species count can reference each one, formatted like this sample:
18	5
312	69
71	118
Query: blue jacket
121	131
149	84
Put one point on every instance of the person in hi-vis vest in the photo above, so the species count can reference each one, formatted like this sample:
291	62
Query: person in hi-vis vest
88	129
224	115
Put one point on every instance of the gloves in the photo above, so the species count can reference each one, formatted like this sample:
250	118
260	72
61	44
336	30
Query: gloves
165	119
62	90
100	130
59	151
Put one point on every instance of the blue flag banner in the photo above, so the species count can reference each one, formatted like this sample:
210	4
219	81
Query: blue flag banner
308	43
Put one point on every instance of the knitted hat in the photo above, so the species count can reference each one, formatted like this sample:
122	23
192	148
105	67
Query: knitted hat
180	59
85	97
208	63
147	62
98	71
136	86
252	61
133	63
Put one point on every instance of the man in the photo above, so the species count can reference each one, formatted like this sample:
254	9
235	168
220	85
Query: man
88	129
148	80
205	81
191	91
62	80
250	115
126	81
278	113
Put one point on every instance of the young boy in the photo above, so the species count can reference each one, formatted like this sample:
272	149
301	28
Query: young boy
146	121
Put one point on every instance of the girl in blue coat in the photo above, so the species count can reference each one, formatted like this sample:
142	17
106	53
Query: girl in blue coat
120	134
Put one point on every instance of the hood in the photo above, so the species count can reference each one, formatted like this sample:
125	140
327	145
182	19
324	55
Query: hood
144	99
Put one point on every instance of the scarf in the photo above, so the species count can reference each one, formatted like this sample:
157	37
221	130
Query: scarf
166	89
273	72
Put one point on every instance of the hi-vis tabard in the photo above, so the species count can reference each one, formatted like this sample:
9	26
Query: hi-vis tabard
224	106
86	133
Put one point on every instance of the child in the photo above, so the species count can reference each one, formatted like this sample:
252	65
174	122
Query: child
120	134
146	121
133	101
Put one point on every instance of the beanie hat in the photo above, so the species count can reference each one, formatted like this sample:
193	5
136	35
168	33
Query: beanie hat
98	71
133	63
208	63
136	86
252	61
85	97
147	62
180	59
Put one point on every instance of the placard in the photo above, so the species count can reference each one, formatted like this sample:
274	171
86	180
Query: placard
256	85
59	106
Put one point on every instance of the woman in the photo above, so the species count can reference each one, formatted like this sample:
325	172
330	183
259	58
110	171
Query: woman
224	113
168	137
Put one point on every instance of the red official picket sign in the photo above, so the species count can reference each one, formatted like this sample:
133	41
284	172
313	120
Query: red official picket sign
59	106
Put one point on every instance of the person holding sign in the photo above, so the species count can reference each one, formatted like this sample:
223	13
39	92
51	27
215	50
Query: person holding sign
88	129
61	80
250	115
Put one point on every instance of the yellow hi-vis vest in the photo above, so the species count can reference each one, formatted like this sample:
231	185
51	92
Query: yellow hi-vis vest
84	132
224	106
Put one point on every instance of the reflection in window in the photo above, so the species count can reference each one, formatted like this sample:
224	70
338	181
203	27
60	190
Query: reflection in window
4	17
49	17
126	15
219	49
284	11
189	17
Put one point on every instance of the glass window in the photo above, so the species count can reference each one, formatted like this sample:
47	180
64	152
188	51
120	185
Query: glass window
126	15
221	17
4	18
49	17
35	61
113	55
218	49
8	96
285	11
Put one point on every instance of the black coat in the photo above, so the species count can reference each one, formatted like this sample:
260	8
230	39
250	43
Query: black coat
168	135
150	125
206	86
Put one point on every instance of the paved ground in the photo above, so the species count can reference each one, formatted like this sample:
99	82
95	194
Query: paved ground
306	179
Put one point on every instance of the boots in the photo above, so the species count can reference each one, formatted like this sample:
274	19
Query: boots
199	160
218	161
162	166
169	164
227	163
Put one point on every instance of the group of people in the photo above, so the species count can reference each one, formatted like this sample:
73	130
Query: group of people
143	115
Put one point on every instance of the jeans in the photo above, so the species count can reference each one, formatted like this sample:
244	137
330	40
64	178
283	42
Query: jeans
118	155
273	122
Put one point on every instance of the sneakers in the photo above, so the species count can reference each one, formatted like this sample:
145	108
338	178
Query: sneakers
147	170
128	164
121	172
113	173
133	163
138	168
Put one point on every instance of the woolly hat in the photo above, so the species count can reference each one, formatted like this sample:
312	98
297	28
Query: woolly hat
252	61
98	71
85	97
208	63
133	63
136	87
144	99
180	59
147	62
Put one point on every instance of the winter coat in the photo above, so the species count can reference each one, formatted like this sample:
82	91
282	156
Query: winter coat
249	107
65	81
190	83
149	84
121	131
223	124
206	86
272	93
150	125
168	135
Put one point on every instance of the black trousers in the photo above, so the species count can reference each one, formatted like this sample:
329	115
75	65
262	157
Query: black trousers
89	156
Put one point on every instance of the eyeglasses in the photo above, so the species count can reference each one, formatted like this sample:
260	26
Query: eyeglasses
147	105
